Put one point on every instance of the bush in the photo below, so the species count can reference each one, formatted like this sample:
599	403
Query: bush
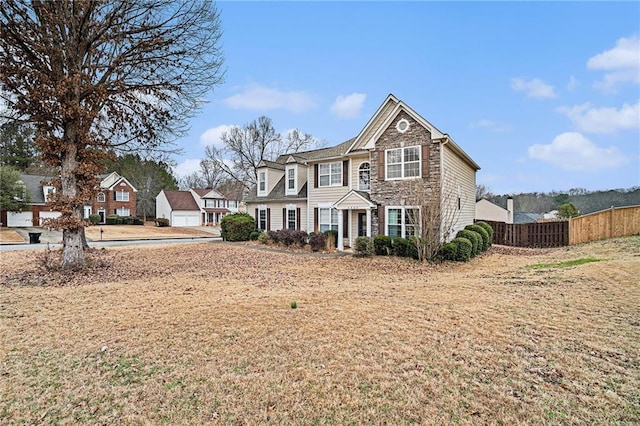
382	245
474	237
463	249
288	237
318	242
412	248
399	246
128	220
94	219
138	221
254	235
487	228
363	247
486	241
263	237
237	227
448	251
331	237
161	221
112	219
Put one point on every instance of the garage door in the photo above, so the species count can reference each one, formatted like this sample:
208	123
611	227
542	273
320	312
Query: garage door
48	215
186	220
19	219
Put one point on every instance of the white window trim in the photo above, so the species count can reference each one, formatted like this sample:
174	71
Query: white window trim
359	171
400	123
330	223
386	163
403	228
260	210
101	198
295	218
331	183
122	193
121	210
294	190
262	193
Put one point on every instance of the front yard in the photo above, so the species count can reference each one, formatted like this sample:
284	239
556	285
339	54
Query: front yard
205	334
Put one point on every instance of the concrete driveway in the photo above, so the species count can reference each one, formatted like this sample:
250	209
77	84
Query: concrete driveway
46	235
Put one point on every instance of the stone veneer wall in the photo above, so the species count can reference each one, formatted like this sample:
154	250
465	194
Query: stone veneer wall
392	193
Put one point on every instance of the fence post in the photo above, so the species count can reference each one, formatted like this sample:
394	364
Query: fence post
611	228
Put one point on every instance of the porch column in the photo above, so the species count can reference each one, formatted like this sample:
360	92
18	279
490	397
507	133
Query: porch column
369	223
340	241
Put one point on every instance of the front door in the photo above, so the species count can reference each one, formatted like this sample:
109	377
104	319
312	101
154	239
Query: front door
101	214
362	224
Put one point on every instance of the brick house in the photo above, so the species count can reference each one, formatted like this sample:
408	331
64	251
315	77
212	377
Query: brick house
376	183
115	195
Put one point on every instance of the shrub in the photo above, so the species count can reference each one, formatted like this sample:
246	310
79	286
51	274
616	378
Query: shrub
474	237
382	245
112	219
253	236
331	237
487	228
399	246
263	237
128	220
412	248
318	242
94	219
237	227
363	247
119	220
463	249
448	251
288	237
138	221
161	221
486	241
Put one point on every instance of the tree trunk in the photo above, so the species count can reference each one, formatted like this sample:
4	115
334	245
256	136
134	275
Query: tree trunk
85	245
72	253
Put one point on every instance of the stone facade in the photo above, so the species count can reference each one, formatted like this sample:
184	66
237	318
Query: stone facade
402	192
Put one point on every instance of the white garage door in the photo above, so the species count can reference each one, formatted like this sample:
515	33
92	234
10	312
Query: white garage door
19	219
186	220
48	215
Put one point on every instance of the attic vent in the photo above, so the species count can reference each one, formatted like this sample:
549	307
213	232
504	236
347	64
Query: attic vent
402	126
123	184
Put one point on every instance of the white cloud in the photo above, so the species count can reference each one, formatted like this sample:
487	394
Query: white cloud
490	125
348	106
571	151
573	83
589	119
212	135
186	167
261	98
622	63
534	88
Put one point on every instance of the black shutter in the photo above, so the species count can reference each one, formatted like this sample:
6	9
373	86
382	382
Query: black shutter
315	175
268	219
345	173
315	220
345	223
115	198
298	218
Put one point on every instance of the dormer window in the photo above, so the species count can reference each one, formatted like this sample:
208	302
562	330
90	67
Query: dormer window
48	190
262	183
291	181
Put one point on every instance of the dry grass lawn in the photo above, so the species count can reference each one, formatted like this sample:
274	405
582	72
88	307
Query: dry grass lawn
10	236
156	339
136	232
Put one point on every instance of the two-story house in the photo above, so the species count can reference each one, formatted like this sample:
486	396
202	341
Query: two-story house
383	181
115	195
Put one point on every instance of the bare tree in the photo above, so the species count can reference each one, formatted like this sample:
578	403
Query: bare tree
483	191
436	214
98	76
245	147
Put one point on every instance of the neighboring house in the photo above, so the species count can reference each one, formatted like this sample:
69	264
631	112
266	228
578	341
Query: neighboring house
372	184
115	195
486	210
526	217
194	207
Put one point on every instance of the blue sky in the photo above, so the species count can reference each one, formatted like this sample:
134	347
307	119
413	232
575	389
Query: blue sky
543	96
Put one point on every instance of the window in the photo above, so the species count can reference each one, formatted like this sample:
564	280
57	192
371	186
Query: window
330	174
121	196
209	203
403	163
122	212
403	221
291	180
262	219
328	219
364	177
101	197
262	183
48	190
291	219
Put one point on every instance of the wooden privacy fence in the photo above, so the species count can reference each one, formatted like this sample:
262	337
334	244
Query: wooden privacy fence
546	234
610	223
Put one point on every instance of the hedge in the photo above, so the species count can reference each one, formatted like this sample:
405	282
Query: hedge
363	247
237	227
382	245
486	241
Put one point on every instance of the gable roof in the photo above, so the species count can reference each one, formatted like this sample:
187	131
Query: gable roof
181	200
33	183
207	193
